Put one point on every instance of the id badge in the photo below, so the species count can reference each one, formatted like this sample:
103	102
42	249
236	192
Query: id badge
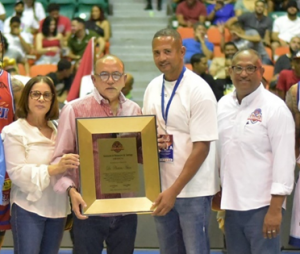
167	155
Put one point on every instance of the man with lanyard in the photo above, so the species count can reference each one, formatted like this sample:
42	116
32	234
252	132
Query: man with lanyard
185	107
7	111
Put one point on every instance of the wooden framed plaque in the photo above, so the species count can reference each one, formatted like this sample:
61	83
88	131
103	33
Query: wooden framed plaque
119	160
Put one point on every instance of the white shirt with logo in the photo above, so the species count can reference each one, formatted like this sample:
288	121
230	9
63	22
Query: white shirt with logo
256	149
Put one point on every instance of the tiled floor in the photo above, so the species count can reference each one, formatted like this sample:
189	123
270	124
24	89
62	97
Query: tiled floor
68	251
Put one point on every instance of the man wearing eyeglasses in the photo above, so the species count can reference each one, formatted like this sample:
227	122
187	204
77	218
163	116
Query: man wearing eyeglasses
106	100
256	158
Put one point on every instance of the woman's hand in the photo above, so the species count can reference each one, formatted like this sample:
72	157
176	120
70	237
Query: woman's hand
68	161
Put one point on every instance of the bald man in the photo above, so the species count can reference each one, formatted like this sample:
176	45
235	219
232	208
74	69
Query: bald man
257	159
187	126
105	101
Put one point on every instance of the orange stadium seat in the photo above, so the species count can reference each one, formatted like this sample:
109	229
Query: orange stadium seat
281	51
21	69
218	51
42	69
269	71
189	66
186	32
214	35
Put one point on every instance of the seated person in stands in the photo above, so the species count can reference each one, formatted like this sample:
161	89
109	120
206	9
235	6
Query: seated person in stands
49	43
80	38
199	44
33	10
62	80
63	24
189	12
98	23
244	39
225	84
199	64
12	53
255	20
287	78
126	90
217	66
219	12
243	6
28	27
286	27
284	61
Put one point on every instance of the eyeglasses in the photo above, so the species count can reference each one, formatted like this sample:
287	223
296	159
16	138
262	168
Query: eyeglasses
106	75
249	69
36	95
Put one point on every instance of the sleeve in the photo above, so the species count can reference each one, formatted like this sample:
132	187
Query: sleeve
203	115
281	132
65	143
278	66
238	5
203	11
179	10
2	168
36	24
276	27
6	27
67	24
210	46
270	24
30	178
209	8
2	9
281	84
39	11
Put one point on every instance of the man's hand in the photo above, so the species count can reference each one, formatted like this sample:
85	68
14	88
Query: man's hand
272	222
77	201
164	202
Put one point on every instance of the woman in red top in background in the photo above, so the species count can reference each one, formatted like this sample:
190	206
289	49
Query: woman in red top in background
48	43
7	111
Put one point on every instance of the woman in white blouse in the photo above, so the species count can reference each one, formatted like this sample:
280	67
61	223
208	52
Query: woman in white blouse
37	212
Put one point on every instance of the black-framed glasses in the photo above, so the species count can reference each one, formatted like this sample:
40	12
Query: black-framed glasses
250	69
104	76
36	95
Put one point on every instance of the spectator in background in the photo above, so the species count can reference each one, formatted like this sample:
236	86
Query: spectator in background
219	12
277	5
199	64
49	43
242	6
34	10
199	44
63	24
126	90
225	84
284	61
80	38
29	26
287	78
189	12
15	38
255	20
2	12
99	23
217	66
286	27
249	39
62	80
16	54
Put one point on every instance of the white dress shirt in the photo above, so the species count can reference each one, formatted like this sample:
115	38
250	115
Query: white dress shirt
256	149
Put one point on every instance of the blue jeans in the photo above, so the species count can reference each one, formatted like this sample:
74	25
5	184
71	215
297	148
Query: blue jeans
184	230
243	231
117	231
34	234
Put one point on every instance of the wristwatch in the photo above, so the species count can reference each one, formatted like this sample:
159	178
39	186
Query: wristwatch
70	187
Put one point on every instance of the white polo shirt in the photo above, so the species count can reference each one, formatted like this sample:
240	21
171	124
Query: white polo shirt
286	28
256	149
192	117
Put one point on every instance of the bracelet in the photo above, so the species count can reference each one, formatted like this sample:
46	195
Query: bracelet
69	188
